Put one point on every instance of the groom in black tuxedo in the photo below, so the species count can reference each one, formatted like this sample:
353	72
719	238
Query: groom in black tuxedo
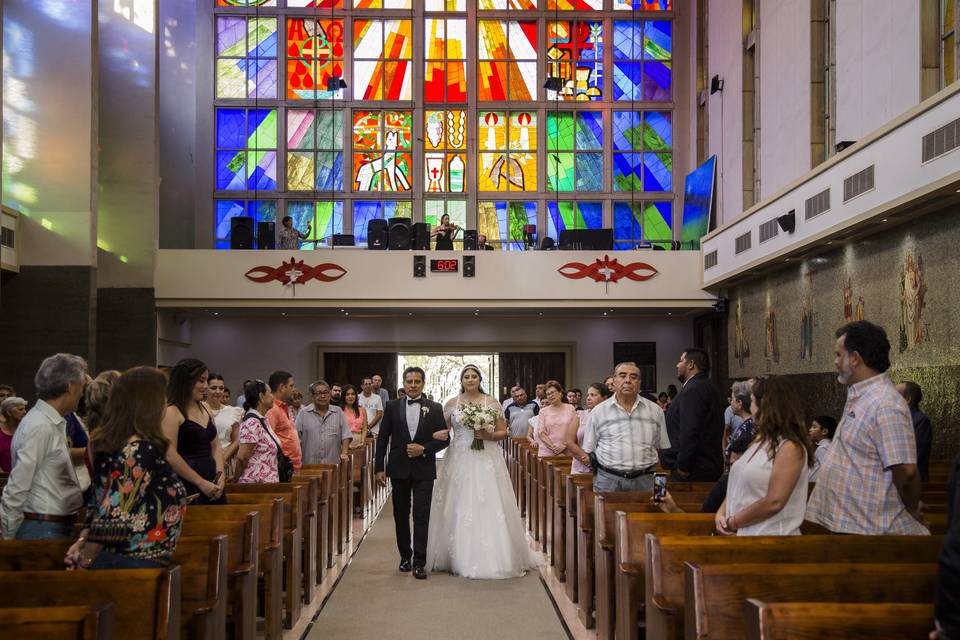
407	428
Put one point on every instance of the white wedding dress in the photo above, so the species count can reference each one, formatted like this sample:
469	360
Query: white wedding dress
475	527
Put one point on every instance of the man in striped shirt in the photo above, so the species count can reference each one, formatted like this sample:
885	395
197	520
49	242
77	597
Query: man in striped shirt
624	434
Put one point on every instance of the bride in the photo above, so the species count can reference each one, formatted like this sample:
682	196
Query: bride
475	528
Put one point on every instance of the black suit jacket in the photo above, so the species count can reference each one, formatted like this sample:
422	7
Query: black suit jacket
948	584
924	433
695	426
395	435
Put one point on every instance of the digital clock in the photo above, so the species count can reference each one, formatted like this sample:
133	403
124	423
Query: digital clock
444	266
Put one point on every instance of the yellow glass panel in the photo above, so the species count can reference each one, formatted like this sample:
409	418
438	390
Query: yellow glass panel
456	129
434	137
523	130
493	173
487	223
523	172
300	171
493	130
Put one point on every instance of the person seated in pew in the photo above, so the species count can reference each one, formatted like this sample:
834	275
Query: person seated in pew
947	609
259	445
137	501
821	430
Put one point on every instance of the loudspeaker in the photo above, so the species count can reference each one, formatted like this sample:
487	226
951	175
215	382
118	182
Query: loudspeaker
788	221
547	244
266	235
399	234
470	240
421	236
419	266
343	240
843	144
469	266
241	233
377	234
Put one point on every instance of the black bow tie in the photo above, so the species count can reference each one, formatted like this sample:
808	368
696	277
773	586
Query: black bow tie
415	401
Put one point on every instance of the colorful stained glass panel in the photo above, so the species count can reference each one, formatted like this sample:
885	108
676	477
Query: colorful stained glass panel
315	53
259	210
523	5
575	59
642	5
382	59
325	218
507	69
246	65
246	3
445	5
562	215
504	221
574	5
366	210
381	142
251	163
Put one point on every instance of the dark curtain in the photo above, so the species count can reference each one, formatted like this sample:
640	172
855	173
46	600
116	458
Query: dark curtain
530	369
352	368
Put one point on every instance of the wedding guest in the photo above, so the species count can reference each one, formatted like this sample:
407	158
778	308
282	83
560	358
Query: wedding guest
259	444
821	430
663	400
596	393
671	392
296	403
378	389
482	243
194	451
225	397
574	397
372	403
6	391
746	402
555	419
868	482
133	484
539	394
242	398
323	428
401	393
278	417
13	409
922	428
611	384
42	495
336	395
519	412
767	489
227	420
625	433
290	237
96	397
730	419
356	415
695	422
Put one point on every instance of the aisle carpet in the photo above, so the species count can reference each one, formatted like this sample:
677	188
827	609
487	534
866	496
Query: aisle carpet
375	601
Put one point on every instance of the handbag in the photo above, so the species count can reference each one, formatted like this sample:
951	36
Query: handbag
284	463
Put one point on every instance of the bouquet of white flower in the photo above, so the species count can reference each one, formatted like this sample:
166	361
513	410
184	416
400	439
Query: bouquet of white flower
478	418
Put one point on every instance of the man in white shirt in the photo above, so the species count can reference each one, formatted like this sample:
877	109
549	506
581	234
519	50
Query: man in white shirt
540	394
373	405
625	433
42	496
379	390
821	431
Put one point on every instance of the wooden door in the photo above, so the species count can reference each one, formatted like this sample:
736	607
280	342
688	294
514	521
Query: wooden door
528	369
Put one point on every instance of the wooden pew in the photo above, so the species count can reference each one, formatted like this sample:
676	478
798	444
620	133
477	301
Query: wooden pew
572	530
546	500
797	621
293	504
666	556
59	623
715	594
330	488
146	602
243	538
342	474
558	551
201	519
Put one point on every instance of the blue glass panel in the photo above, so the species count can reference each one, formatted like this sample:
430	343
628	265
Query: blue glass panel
657	131
589	131
657	172
589	171
627	40
364	212
626	224
230	170
226	209
657	80
627	80
330	171
230	129
657	42
627	171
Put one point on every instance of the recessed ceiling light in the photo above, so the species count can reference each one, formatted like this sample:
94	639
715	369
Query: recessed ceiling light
786	259
410	314
884	220
604	313
830	242
216	313
347	313
669	313
284	314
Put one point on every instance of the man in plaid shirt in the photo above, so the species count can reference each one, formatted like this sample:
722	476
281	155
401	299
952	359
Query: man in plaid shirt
869	483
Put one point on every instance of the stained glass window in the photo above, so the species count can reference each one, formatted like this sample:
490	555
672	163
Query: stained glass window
320	4
381	4
647	139
445	51
366	210
574	146
508	145
503	222
642	51
643	5
325	218
247	3
635	222
507	52
445	5
382	59
573	215
445	145
574	5
433	210
259	210
381	150
314	150
246	149
506	4
246	57
575	59
314	57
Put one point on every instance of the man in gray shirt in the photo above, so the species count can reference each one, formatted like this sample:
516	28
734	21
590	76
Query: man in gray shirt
518	413
323	430
379	390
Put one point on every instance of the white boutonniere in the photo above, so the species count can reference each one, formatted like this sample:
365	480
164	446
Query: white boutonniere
424	410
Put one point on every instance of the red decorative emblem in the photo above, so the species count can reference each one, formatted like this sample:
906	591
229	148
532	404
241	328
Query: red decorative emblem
608	270
294	272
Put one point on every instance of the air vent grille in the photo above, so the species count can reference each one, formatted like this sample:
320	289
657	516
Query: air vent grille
858	184
742	243
768	230
939	142
7	237
815	205
710	260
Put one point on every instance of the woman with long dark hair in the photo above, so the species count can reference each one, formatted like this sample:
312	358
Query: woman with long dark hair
445	233
356	415
596	393
194	452
137	502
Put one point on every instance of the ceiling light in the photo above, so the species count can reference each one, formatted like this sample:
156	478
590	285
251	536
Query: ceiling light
347	313
786	259
830	242
216	313
604	313
284	314
884	220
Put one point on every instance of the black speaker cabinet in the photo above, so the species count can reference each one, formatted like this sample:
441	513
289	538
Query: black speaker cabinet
421	236
470	240
399	234
241	233
343	240
469	266
377	234
419	266
266	235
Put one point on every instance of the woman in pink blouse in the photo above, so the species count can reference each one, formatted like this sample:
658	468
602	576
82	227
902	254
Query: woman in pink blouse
555	420
257	455
356	416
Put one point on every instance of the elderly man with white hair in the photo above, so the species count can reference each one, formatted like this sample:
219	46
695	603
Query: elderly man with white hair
12	410
42	496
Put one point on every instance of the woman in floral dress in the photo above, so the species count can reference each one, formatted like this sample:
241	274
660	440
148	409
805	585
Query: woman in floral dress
257	457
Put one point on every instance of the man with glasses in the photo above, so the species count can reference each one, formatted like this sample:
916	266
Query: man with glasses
322	427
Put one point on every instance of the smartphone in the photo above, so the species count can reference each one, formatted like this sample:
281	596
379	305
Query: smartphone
659	487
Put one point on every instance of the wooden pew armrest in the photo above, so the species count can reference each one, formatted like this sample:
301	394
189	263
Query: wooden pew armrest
630	569
243	569
660	604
